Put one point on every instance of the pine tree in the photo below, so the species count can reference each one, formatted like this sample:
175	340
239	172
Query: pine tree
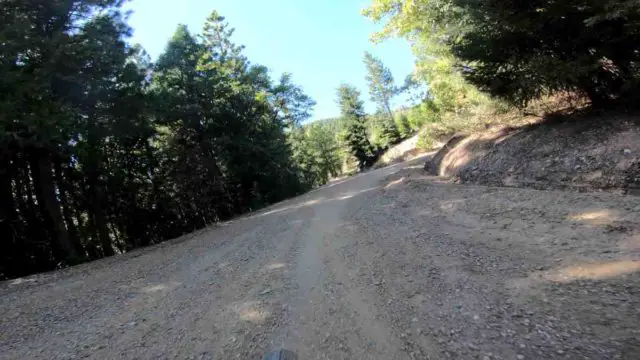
102	151
381	83
352	110
403	125
316	151
520	51
389	132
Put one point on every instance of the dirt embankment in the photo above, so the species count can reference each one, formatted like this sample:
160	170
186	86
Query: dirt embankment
587	153
404	151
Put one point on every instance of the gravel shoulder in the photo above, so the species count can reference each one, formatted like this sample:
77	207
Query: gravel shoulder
389	264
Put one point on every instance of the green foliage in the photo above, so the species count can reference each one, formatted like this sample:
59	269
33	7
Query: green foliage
389	133
380	81
382	90
539	48
352	110
519	51
428	25
316	151
102	151
403	125
425	141
424	113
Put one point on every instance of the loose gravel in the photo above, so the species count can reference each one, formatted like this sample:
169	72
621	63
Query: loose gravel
389	264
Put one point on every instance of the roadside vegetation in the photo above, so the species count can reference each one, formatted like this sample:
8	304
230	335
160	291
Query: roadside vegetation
103	151
486	61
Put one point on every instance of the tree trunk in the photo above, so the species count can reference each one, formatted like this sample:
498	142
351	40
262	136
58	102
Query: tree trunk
26	205
49	206
388	107
213	170
11	249
7	204
92	239
63	187
99	219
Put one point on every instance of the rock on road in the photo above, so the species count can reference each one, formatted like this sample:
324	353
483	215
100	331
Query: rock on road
385	265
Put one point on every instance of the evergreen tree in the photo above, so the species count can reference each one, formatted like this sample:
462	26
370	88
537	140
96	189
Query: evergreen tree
316	151
403	125
389	132
520	51
381	84
102	152
382	90
352	110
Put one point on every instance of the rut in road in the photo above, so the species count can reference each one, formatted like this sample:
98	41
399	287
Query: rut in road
388	264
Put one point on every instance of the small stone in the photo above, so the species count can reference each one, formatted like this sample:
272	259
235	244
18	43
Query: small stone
419	331
627	151
560	351
265	292
519	356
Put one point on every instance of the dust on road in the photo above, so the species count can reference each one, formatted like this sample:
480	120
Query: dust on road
385	265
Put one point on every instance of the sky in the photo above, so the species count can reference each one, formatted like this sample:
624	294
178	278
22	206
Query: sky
321	42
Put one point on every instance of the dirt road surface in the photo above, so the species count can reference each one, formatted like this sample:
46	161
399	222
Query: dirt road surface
385	265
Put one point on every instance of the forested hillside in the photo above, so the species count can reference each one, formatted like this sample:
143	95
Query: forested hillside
104	151
480	59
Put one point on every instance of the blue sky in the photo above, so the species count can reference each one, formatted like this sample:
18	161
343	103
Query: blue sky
321	42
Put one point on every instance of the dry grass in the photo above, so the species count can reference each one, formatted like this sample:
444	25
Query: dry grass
492	116
489	116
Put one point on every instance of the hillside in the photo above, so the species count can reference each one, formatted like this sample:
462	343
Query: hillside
577	152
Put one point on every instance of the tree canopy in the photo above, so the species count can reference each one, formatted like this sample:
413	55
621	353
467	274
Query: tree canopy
356	138
102	151
380	81
520	51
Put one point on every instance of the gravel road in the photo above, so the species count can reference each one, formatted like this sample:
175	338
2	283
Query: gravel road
389	264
